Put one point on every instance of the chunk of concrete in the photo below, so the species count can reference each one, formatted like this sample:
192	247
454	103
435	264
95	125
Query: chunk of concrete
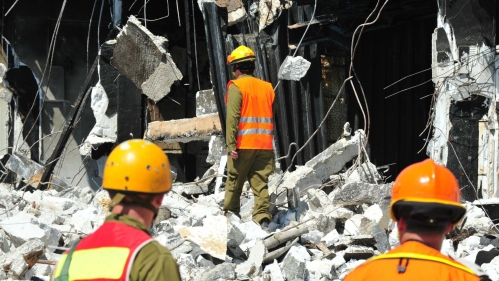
23	227
358	225
16	263
257	253
144	59
293	68
358	193
252	231
293	265
216	148
275	271
211	237
313	236
332	160
224	271
317	199
235	233
87	220
331	238
338	213
358	253
205	103
191	188
367	172
184	130
325	268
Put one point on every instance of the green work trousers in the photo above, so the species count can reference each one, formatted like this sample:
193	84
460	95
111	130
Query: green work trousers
256	165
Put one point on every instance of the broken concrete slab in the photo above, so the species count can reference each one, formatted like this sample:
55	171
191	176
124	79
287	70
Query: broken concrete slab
23	227
16	263
159	83
367	172
324	268
143	58
216	149
293	68
332	160
184	130
358	225
293	265
358	193
358	253
205	103
211	237
224	271
317	199
192	188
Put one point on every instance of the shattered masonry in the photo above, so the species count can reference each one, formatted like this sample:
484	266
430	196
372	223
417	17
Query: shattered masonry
165	82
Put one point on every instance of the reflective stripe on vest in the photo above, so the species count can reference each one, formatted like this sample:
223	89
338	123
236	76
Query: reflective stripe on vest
256	124
423	257
106	254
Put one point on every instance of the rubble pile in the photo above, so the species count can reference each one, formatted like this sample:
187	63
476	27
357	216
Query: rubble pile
324	225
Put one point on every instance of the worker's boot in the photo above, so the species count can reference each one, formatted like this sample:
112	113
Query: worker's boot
264	224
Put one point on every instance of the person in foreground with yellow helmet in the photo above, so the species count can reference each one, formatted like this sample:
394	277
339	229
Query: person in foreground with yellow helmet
136	175
425	203
249	136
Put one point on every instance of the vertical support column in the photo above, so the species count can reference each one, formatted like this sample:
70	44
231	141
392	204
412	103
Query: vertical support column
117	12
217	55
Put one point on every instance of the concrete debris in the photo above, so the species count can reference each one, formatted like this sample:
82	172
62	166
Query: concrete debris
321	234
293	68
143	58
205	103
184	130
16	263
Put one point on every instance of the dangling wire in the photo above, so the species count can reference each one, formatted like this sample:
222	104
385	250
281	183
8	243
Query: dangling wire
89	26
195	40
98	26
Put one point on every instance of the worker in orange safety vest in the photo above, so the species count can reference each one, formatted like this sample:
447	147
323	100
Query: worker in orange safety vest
425	203
136	175
249	136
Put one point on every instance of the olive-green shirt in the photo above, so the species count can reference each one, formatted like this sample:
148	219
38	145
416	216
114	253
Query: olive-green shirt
153	262
234	102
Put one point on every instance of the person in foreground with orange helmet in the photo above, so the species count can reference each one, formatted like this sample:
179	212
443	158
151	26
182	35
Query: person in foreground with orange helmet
249	136
425	203
137	176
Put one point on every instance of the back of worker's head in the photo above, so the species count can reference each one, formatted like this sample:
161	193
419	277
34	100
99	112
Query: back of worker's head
427	197
136	171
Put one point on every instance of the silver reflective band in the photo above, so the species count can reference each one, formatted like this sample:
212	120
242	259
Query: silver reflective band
255	120
254	132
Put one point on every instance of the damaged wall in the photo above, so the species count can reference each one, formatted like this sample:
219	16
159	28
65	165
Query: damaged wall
464	73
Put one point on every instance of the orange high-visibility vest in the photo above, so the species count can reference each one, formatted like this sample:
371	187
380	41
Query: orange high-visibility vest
106	254
256	125
413	261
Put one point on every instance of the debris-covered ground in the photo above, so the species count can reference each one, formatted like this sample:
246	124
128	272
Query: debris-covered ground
327	220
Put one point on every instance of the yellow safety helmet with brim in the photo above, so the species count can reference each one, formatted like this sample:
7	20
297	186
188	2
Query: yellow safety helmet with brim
137	167
241	54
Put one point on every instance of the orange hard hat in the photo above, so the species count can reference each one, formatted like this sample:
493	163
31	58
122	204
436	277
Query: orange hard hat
241	54
430	189
137	166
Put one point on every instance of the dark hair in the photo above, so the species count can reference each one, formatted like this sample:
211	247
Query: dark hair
246	67
425	221
415	226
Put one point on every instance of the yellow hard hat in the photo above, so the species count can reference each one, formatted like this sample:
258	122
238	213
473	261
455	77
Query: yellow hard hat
240	54
137	166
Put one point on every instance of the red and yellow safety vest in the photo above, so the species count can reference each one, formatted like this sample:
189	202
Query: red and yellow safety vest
256	125
106	254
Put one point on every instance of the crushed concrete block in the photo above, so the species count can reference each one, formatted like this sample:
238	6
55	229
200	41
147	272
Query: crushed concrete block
86	221
293	68
317	199
50	217
492	268
358	252
198	212
374	213
301	178
23	227
236	14
211	237
331	238
313	236
16	263
358	225
338	213
170	239
367	172
358	193
186	264
252	231
332	160
267	11
338	261
192	188
184	130
224	271
293	265
204	263
363	240
177	204
275	271
143	58
325	268
480	225
205	103
56	204
235	233
159	83
325	224
382	239
216	148
257	253
182	249
245	269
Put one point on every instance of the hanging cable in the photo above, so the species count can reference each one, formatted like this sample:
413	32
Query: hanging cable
89	27
145	14
98	26
195	45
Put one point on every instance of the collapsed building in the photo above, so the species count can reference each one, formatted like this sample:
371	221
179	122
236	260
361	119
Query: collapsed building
414	79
